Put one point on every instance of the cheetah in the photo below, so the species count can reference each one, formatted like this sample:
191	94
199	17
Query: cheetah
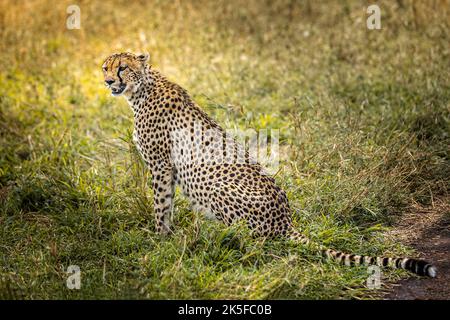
182	146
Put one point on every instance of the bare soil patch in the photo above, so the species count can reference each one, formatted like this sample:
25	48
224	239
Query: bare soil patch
427	229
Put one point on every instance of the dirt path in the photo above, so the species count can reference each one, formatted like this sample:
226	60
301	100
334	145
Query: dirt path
427	229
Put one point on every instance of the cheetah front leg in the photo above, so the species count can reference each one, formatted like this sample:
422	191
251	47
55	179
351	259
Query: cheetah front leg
163	194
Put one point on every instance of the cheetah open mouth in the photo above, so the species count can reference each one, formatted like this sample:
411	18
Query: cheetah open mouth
119	90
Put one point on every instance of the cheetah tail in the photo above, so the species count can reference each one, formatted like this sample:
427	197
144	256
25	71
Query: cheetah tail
420	267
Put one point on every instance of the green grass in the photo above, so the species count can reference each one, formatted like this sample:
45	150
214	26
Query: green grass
364	129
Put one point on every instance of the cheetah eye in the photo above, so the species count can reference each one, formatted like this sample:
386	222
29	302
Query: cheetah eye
121	68
105	68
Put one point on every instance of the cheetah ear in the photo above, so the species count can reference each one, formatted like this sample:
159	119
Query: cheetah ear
143	57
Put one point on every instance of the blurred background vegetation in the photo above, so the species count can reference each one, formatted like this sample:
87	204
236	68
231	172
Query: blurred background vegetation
363	117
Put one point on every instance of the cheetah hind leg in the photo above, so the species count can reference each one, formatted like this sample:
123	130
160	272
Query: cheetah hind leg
420	267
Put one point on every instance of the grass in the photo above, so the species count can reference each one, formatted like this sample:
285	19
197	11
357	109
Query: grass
364	129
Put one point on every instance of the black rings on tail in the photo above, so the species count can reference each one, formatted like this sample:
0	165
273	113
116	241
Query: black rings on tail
420	267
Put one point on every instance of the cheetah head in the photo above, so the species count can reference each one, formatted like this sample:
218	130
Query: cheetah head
124	72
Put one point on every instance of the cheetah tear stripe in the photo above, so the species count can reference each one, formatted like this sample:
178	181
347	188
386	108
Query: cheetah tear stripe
420	267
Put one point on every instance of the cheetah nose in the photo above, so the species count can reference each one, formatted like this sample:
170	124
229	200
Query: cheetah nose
109	82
